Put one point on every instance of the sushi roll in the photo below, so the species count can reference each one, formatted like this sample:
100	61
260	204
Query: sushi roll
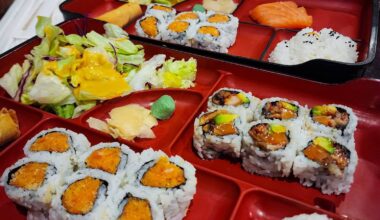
217	132
333	119
327	163
132	203
149	26
211	37
171	180
83	196
279	109
190	16
269	148
112	158
32	182
178	32
164	12
227	22
234	100
57	143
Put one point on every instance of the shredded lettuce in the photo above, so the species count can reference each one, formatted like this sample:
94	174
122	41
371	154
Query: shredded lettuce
64	111
178	74
114	31
83	107
10	80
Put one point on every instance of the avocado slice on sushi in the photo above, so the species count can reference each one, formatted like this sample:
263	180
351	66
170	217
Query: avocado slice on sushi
219	122
325	143
225	118
269	137
330	116
281	110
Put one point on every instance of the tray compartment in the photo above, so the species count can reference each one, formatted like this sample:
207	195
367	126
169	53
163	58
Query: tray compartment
258	204
187	103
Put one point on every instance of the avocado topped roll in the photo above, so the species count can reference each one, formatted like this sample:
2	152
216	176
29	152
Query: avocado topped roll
269	148
178	32
209	36
279	109
170	180
32	182
337	120
327	163
149	26
83	196
217	133
234	100
57	143
160	11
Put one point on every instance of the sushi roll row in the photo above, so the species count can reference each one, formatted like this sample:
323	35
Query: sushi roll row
210	31
277	137
65	178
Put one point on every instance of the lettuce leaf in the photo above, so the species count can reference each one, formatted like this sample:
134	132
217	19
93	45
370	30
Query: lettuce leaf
9	82
83	107
114	31
178	74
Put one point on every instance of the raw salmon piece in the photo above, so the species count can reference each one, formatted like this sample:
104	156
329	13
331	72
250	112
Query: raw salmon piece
281	15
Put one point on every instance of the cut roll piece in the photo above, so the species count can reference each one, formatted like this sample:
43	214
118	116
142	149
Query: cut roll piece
234	100
84	196
150	26
217	132
332	119
327	163
171	180
189	16
132	203
269	148
178	32
209	36
113	158
227	22
57	143
161	11
32	182
280	109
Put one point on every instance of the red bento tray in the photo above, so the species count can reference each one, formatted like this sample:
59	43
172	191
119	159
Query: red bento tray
224	190
357	19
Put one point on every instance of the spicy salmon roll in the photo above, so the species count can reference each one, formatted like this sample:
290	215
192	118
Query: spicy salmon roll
113	158
150	26
269	148
234	100
83	196
32	182
178	32
170	179
279	109
327	163
227	22
57	143
337	120
189	16
164	12
132	203
217	133
211	37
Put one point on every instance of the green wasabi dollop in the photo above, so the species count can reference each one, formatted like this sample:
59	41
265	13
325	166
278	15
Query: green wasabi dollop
163	108
199	8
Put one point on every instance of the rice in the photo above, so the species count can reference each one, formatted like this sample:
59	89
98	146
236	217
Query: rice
313	216
308	44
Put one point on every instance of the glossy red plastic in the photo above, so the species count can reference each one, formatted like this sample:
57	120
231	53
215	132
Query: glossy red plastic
357	19
224	190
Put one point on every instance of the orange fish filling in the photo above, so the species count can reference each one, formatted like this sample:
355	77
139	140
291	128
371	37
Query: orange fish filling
30	176
178	26
106	159
79	198
136	209
187	16
164	174
218	18
162	8
213	31
149	25
52	142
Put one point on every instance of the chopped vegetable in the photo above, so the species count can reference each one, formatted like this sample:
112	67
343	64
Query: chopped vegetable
276	128
224	118
325	143
163	108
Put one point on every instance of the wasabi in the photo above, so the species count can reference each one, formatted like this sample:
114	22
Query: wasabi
163	108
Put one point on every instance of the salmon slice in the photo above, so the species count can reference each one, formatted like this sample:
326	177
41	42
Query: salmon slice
281	15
